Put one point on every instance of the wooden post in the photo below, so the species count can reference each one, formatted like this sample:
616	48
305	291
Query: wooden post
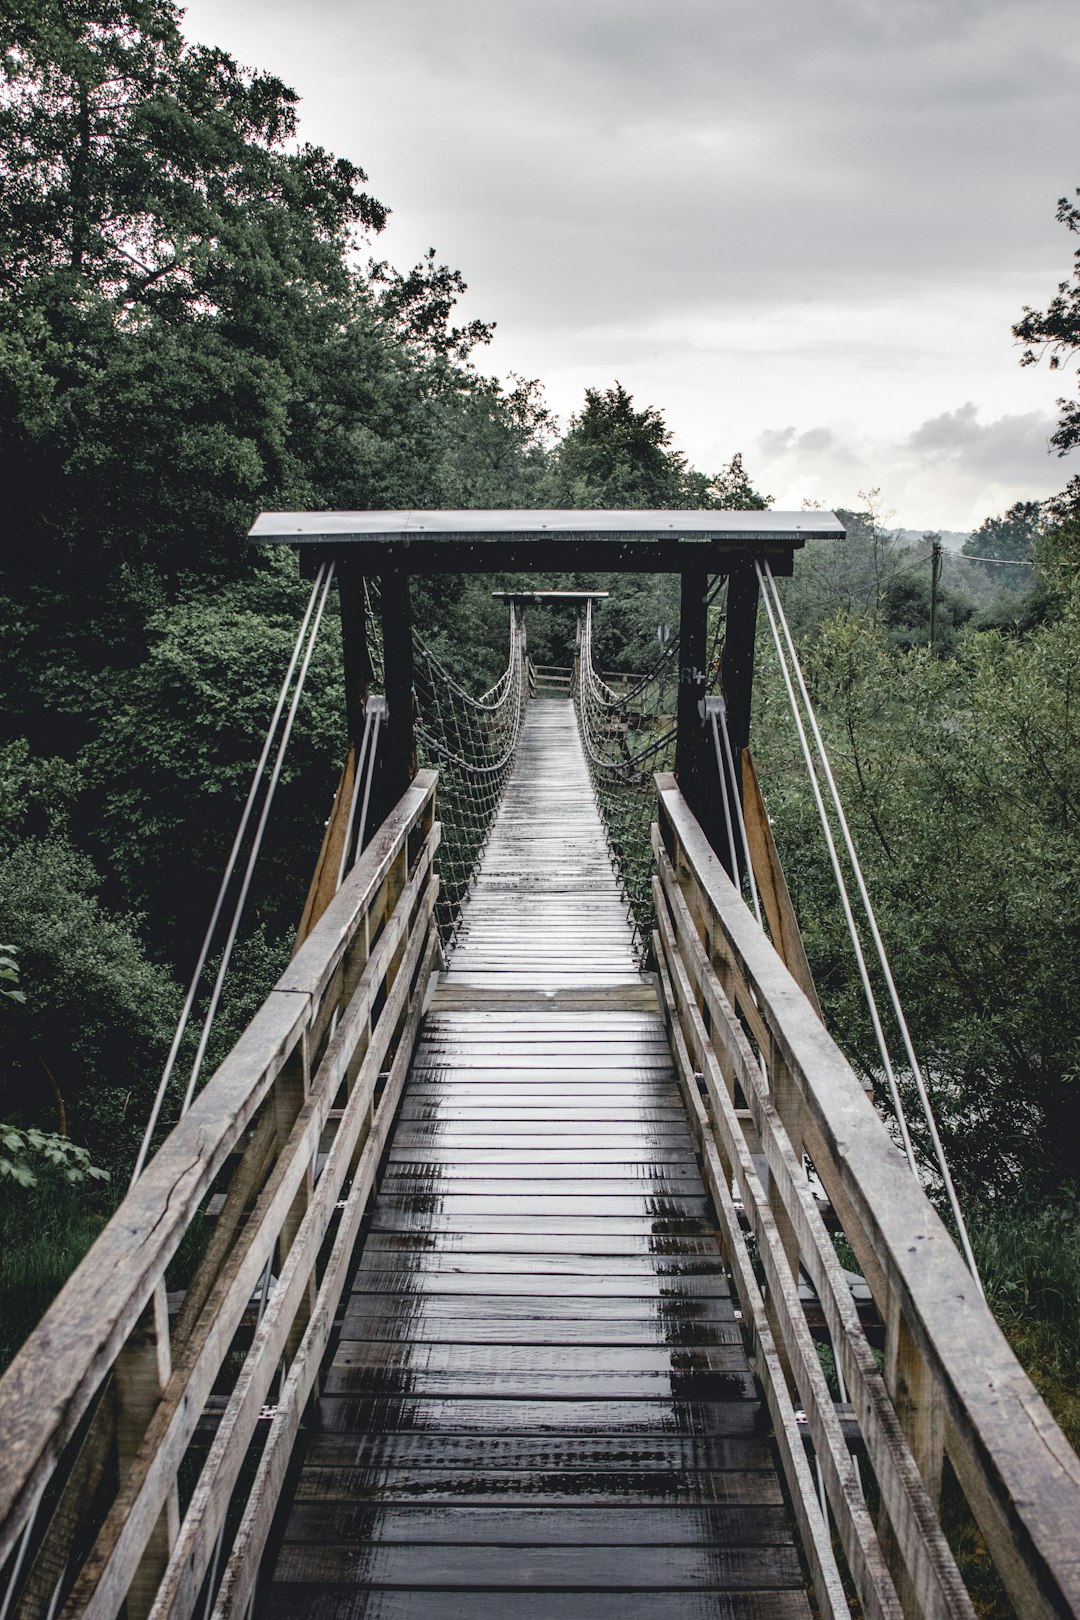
354	647
142	1372
694	766
291	1090
772	885
737	666
398	744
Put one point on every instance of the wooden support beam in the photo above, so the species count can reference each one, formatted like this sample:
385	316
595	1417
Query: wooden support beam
772	886
398	744
324	879
737	666
354	646
695	766
141	1376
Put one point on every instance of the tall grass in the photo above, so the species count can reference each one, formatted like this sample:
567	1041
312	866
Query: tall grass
1029	1260
44	1233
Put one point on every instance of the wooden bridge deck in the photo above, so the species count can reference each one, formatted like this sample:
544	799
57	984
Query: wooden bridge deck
540	1405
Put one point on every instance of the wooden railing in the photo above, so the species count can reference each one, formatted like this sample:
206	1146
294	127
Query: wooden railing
141	1454
766	1085
561	676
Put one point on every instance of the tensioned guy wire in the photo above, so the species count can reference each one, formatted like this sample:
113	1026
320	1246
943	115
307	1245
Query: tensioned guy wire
230	867
879	1033
256	844
765	576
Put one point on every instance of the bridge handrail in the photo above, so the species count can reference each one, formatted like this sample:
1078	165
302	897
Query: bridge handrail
952	1386
317	1070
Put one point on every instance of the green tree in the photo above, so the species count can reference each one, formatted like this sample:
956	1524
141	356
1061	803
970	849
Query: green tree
176	739
173	247
1055	332
1008	539
615	456
98	1015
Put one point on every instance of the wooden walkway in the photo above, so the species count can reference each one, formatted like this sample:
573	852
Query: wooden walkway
540	1407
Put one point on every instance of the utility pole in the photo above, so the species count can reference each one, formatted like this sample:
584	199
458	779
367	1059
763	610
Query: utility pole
935	575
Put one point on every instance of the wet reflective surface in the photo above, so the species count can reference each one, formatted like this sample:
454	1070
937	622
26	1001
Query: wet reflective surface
540	1405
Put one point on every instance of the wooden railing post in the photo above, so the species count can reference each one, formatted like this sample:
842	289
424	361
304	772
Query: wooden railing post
142	1372
290	1094
916	1398
787	1101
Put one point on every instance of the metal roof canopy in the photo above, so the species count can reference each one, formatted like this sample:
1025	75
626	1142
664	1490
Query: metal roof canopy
488	541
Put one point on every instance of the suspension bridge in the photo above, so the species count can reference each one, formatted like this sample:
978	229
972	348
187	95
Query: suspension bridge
488	1274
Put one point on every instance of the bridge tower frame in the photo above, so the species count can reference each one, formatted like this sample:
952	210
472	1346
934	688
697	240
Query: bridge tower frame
698	546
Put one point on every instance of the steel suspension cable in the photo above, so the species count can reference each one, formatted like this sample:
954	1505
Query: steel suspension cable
849	917
230	867
769	588
256	845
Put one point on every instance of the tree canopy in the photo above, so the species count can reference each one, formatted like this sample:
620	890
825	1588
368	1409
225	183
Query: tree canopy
1055	332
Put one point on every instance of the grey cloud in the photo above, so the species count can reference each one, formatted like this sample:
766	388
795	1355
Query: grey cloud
1012	447
619	157
776	441
814	441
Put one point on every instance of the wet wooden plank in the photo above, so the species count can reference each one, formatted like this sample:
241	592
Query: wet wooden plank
529	1243
525	1190
475	1205
438	1153
639	1384
672	1313
531	1183
485	1486
300	1602
501	1360
612	1456
378	1563
567	1327
624	1525
422	1221
412	1284
477	1415
483	1260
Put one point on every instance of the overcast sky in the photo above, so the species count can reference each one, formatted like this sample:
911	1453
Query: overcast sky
800	228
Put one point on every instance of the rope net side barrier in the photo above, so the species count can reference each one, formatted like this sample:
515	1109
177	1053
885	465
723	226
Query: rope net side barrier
472	742
628	737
